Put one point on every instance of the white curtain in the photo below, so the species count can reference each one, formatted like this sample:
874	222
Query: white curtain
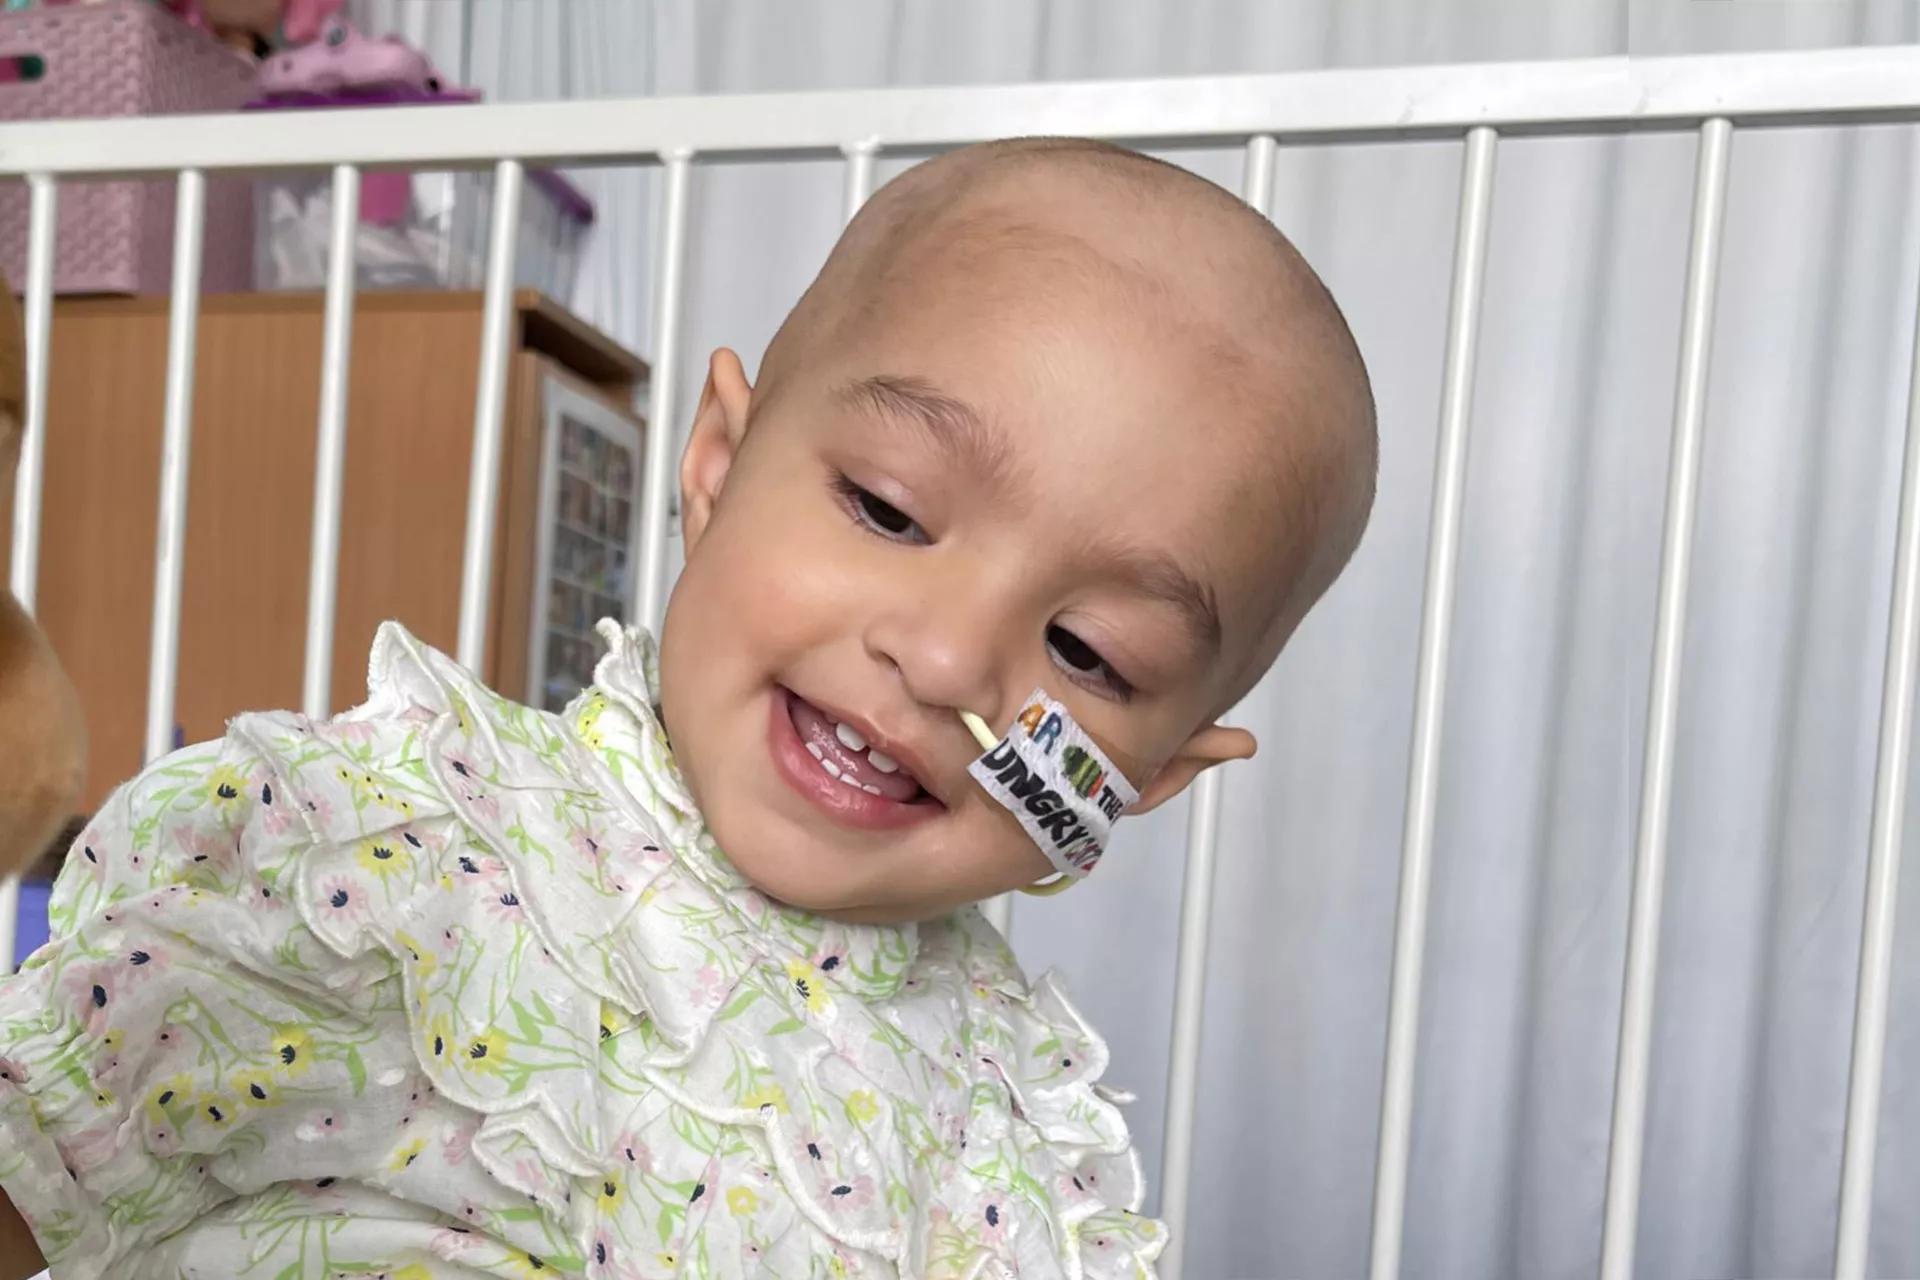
1547	688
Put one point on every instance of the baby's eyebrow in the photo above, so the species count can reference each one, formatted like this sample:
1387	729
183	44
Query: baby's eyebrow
952	426
1160	576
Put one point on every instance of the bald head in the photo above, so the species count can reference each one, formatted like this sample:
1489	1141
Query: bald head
1009	220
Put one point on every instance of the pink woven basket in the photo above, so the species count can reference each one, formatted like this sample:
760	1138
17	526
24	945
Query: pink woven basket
121	58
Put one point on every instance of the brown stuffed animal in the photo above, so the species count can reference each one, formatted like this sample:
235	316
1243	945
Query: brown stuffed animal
42	735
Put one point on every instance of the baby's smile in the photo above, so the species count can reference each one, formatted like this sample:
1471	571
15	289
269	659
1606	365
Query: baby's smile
845	767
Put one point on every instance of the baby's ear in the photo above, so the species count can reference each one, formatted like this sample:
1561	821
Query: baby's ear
1215	744
718	425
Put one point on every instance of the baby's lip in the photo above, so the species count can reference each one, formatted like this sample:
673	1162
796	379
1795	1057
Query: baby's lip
911	762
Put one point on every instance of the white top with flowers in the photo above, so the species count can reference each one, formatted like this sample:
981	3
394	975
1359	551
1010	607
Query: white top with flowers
448	986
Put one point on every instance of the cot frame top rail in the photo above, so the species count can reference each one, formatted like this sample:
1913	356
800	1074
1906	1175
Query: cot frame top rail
1878	84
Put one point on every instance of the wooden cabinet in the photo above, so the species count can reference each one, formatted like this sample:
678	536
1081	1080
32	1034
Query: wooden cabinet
415	367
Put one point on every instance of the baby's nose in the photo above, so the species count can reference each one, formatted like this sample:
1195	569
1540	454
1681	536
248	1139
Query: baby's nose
948	655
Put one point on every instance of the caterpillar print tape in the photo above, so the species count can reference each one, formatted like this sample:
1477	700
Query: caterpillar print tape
1062	788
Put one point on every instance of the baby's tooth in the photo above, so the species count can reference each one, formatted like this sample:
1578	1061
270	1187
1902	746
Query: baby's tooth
870	789
849	737
882	761
813	749
830	766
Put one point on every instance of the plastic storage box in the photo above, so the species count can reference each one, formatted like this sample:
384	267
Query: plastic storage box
122	58
416	230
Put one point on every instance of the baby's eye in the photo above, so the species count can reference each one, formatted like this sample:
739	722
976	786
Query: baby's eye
1085	664
877	514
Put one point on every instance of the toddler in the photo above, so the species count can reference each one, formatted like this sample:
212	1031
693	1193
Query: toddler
684	982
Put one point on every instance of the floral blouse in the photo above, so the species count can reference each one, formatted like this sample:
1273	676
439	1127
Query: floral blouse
448	986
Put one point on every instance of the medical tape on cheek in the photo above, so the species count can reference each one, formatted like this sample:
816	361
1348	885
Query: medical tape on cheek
1054	780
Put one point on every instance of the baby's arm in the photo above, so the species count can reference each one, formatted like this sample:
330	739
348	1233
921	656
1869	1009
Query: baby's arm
19	1256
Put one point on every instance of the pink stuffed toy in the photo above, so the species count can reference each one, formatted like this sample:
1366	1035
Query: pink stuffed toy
344	59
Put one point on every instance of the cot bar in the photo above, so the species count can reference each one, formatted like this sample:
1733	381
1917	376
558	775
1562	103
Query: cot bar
1663	703
169	555
25	569
1196	910
1429	706
330	448
1189	1001
489	408
1597	95
662	432
859	177
1883	861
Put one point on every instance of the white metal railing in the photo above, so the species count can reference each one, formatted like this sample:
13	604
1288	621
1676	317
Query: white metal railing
1712	96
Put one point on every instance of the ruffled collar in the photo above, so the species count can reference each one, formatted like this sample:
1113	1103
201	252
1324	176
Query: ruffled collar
619	718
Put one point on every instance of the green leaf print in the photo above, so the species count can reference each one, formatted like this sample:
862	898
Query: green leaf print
529	1029
357	1071
738	1006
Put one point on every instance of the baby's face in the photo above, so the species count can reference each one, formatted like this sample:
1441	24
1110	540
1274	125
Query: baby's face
992	490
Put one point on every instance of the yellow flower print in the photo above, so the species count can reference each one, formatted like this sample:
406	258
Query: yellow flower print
611	1192
383	856
217	1109
363	786
292	1049
405	1154
586	725
742	1201
174	1092
424	961
413	1271
486	1053
808	984
862	1108
439	1037
102	1097
112	1041
612	1021
772	1096
225	786
530	1265
255	1088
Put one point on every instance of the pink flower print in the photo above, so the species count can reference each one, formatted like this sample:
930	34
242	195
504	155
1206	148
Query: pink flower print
990	1219
588	843
275	819
359	732
486	806
95	1145
855	1193
13	1071
630	1149
457	1145
85	852
209	849
91	989
506	905
322	1126
600	1257
1072	1188
708	992
320	811
342	898
137	964
161	1139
